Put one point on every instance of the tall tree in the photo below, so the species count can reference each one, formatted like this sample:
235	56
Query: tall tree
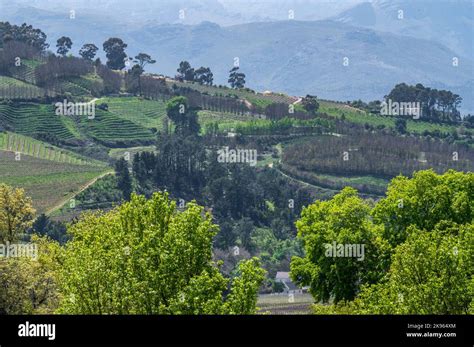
124	181
142	59
184	118
330	231
185	71
115	53
63	44
133	80
203	75
88	51
236	78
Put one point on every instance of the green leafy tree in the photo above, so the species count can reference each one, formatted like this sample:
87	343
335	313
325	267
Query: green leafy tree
427	223
343	221
115	53
88	51
145	257
236	78
424	201
28	285
431	273
16	213
184	118
63	44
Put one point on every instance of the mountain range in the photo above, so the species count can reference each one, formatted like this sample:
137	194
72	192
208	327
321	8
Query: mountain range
361	50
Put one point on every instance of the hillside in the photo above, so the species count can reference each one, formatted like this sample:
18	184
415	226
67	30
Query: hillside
281	53
207	192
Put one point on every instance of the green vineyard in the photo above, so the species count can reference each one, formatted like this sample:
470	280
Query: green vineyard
28	119
109	128
41	150
145	113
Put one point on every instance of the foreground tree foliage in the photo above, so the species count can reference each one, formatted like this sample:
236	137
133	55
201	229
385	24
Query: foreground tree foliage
419	254
16	213
29	286
345	220
145	257
431	273
424	201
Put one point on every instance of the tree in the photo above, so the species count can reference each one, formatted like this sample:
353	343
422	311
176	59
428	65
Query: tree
203	75
29	285
423	202
344	248
184	118
143	59
24	33
16	213
63	44
427	224
146	257
88	51
236	79
401	125
310	104
431	273
436	105
115	53
185	71
124	181
137	70
133	79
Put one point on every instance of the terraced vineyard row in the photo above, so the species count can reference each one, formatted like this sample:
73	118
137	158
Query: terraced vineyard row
146	113
26	71
11	88
38	149
107	127
35	118
89	84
